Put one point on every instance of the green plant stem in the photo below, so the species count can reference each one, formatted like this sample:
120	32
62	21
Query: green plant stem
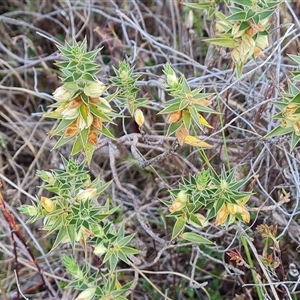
253	272
223	136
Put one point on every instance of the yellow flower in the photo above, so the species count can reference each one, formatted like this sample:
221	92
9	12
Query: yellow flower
179	203
139	117
230	210
297	127
222	215
48	204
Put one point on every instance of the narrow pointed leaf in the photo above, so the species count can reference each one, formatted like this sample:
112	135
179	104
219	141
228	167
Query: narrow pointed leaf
178	227
295	140
62	141
77	146
107	133
59	238
223	42
170	109
196	238
193	141
173	128
278	131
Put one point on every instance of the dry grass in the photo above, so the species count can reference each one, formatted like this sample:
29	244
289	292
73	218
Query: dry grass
148	34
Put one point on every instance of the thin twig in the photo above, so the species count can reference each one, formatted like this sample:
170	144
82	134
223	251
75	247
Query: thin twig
132	196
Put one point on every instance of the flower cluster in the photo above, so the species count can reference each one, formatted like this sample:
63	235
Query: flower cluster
80	104
289	115
245	30
185	108
208	195
72	211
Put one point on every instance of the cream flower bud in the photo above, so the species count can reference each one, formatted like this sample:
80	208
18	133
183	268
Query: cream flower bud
182	196
70	114
29	210
139	117
82	124
262	41
172	79
87	294
62	94
84	195
94	89
100	249
48	204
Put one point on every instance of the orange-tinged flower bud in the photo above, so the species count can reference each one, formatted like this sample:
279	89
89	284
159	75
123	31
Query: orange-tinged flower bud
203	102
94	100
251	31
75	103
177	205
87	294
181	134
139	117
241	209
48	204
222	215
97	123
232	208
174	117
290	109
72	129
258	53
93	137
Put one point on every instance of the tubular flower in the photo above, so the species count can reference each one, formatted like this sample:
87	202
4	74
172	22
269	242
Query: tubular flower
179	203
48	204
229	210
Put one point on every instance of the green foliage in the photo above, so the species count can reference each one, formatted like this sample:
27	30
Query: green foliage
73	211
88	282
185	108
244	30
125	80
218	195
289	115
79	102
